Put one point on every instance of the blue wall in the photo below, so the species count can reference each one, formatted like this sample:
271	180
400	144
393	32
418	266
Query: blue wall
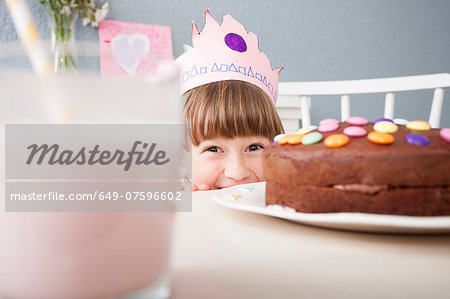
313	40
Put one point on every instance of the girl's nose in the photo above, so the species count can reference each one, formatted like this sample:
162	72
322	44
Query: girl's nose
236	168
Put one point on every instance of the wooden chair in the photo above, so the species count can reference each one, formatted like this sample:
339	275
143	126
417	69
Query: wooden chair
294	99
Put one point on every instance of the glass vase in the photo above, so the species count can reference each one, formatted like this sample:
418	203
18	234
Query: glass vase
63	45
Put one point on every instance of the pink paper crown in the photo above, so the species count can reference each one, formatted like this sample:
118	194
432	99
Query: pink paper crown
226	52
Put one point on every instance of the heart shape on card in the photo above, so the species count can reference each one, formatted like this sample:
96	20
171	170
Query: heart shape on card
129	50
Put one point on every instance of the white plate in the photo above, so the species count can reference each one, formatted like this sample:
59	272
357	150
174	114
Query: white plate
251	198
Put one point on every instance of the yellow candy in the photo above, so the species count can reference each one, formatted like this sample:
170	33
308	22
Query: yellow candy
303	131
336	140
418	125
291	139
380	137
424	121
385	127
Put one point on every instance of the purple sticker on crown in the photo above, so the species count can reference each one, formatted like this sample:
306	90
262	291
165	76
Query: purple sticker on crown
235	42
417	139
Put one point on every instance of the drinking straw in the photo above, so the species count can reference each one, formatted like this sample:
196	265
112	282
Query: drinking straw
36	52
29	37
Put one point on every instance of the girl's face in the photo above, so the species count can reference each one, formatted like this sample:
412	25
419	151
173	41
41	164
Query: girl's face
221	163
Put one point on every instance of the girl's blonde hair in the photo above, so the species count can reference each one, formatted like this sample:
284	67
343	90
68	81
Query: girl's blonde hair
228	109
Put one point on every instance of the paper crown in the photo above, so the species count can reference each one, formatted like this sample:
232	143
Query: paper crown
226	52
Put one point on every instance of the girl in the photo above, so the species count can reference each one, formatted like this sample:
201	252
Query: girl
230	91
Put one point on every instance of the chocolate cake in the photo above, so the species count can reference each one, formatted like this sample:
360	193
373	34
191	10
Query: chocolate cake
404	177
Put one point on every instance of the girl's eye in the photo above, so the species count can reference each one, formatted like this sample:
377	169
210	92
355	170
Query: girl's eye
213	149
254	147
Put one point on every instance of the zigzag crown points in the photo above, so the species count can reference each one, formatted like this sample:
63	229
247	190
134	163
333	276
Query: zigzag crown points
226	51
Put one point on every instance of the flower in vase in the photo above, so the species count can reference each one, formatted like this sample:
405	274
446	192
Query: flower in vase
63	14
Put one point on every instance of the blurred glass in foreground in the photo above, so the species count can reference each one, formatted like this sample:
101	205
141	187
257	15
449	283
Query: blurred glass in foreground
85	255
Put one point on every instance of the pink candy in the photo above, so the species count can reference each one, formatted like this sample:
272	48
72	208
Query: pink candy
328	121
357	121
354	131
445	134
328	127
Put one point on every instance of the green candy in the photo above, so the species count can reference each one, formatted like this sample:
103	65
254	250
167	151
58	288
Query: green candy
312	138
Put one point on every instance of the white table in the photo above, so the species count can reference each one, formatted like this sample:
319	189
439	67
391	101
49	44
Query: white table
225	253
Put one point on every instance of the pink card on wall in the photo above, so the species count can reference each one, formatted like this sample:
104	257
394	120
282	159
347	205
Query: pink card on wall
125	47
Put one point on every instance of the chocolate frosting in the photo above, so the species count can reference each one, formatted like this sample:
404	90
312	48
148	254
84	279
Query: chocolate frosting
362	162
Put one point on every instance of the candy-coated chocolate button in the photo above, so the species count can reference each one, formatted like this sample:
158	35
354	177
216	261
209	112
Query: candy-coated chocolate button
354	131
336	140
385	127
312	138
382	119
418	125
291	139
424	121
328	120
400	121
380	137
357	121
303	131
278	137
445	134
417	139
328	127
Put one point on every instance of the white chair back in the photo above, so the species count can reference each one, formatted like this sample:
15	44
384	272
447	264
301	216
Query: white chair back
295	97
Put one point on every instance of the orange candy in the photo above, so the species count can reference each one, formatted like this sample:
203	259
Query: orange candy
291	139
336	140
380	137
